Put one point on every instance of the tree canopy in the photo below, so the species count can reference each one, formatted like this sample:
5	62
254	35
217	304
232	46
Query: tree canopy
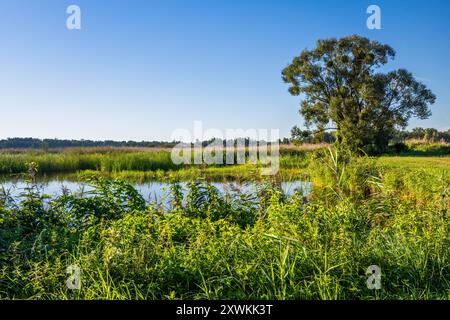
342	90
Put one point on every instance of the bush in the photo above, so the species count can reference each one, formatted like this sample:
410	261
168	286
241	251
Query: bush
206	245
398	147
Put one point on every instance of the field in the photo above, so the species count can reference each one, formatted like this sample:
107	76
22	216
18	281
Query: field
416	163
390	211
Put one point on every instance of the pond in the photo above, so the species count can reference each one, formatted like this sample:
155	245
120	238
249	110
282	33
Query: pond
154	191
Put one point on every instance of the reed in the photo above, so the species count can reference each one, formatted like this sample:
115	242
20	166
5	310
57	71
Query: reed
206	245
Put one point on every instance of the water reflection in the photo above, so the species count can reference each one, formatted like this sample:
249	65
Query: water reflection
155	191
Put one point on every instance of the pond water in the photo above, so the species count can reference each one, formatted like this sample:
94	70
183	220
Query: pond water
155	191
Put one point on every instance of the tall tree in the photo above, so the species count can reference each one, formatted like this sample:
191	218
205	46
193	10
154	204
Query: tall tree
341	88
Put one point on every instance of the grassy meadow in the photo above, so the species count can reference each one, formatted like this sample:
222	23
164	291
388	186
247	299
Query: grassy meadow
391	211
139	164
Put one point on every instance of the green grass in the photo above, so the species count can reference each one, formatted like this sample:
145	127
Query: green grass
139	164
211	246
414	163
66	162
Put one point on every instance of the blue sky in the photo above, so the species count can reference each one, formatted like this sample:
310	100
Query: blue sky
138	70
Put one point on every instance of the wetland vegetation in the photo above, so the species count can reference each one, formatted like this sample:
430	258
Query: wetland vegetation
204	244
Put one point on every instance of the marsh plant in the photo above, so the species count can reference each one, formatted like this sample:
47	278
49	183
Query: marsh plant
210	245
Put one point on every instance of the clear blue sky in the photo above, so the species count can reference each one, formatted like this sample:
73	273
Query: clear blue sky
141	69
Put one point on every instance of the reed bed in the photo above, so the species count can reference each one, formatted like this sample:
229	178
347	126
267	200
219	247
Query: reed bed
206	245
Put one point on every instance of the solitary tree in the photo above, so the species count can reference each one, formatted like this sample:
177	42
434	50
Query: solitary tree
341	90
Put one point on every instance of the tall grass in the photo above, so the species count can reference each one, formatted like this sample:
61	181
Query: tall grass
78	161
140	164
236	246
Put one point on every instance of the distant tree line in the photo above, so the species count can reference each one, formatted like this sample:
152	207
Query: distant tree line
33	143
44	144
427	134
307	136
424	134
298	136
